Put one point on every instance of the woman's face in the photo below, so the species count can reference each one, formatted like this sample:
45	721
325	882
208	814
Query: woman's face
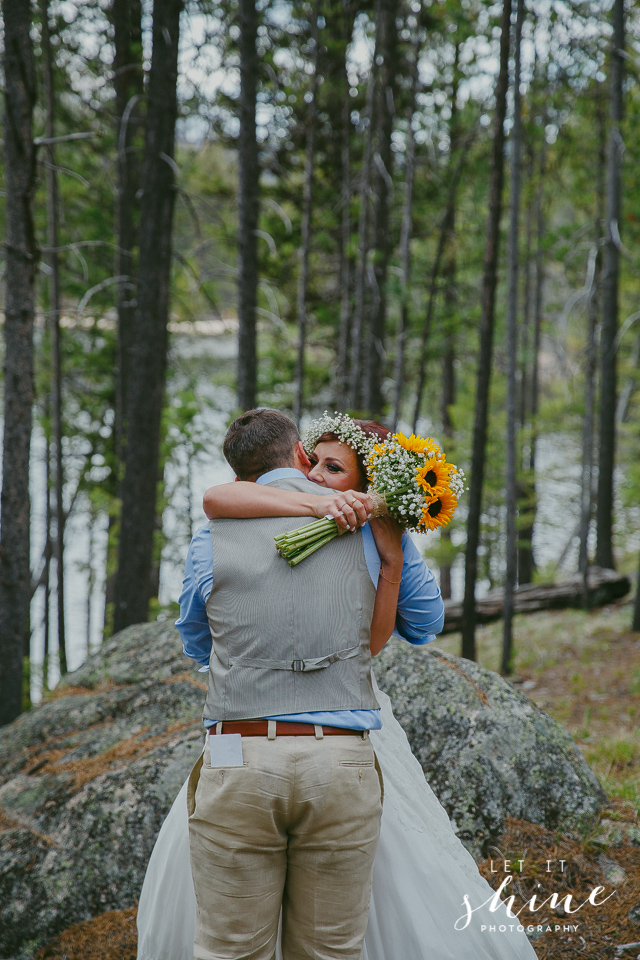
336	465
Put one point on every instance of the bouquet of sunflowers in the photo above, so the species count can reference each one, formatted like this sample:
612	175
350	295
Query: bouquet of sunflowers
410	479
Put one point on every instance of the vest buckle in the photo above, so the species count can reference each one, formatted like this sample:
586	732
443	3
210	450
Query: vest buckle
298	666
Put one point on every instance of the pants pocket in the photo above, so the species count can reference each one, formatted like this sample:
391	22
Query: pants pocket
194	776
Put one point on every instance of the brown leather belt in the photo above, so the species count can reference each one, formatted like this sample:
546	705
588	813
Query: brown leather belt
284	728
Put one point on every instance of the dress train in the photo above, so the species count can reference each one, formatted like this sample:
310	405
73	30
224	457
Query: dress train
421	874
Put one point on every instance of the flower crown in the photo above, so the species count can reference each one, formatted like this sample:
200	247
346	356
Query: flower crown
344	428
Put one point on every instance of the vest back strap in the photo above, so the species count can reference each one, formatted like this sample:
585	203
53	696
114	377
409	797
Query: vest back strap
297	666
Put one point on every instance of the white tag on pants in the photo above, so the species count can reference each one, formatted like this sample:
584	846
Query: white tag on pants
225	750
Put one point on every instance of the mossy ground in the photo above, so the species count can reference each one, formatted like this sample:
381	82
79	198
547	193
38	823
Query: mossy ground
584	670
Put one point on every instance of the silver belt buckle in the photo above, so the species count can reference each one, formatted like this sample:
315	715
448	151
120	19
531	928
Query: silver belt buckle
297	666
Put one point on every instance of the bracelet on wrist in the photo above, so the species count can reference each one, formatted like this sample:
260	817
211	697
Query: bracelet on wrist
388	579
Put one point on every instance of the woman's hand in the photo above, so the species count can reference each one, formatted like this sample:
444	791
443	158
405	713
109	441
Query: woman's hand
387	534
349	508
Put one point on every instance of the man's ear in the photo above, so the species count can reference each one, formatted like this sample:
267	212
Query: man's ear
300	458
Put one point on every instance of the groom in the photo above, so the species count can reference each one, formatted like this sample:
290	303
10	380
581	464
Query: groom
283	812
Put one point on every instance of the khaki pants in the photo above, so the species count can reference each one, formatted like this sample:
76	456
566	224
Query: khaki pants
295	827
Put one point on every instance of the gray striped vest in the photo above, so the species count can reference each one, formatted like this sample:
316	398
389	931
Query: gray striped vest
287	639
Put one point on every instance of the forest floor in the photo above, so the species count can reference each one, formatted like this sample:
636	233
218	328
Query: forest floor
584	670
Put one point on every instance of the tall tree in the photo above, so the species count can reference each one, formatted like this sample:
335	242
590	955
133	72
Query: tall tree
485	357
307	201
345	25
54	327
362	262
449	274
149	346
512	353
21	257
248	205
610	279
405	235
128	82
590	373
530	390
384	113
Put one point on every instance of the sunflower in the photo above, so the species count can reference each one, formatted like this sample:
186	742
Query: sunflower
439	509
416	444
434	475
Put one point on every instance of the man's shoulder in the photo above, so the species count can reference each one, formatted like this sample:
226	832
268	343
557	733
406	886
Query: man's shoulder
300	484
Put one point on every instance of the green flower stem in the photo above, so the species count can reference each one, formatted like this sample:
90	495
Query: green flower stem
311	549
295	545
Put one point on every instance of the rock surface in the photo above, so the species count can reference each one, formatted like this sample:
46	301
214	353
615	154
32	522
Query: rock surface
87	778
487	750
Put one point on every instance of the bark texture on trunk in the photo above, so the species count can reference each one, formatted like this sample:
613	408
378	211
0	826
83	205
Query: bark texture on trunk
21	256
149	348
344	335
384	112
611	272
305	233
490	277
358	323
128	82
591	364
526	559
512	355
405	239
248	206
53	325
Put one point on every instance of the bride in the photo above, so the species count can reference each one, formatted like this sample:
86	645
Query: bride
428	900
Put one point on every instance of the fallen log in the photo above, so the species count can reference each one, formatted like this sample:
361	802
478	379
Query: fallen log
604	586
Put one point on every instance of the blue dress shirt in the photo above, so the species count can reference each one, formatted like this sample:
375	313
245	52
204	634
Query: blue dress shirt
419	617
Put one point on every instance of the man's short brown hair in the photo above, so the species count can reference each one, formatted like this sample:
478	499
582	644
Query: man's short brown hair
259	441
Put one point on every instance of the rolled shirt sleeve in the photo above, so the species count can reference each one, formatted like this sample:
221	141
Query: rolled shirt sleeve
193	623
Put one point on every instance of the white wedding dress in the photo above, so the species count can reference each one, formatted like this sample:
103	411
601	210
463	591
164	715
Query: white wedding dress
421	875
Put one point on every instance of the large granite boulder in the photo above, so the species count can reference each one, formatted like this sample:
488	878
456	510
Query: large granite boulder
487	751
87	777
86	780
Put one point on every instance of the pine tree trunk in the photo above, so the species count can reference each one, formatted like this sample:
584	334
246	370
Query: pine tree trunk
490	276
128	82
405	239
448	394
357	327
448	397
21	256
590	373
248	206
344	340
54	330
149	348
46	573
537	330
611	270
526	510
384	113
512	357
305	233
